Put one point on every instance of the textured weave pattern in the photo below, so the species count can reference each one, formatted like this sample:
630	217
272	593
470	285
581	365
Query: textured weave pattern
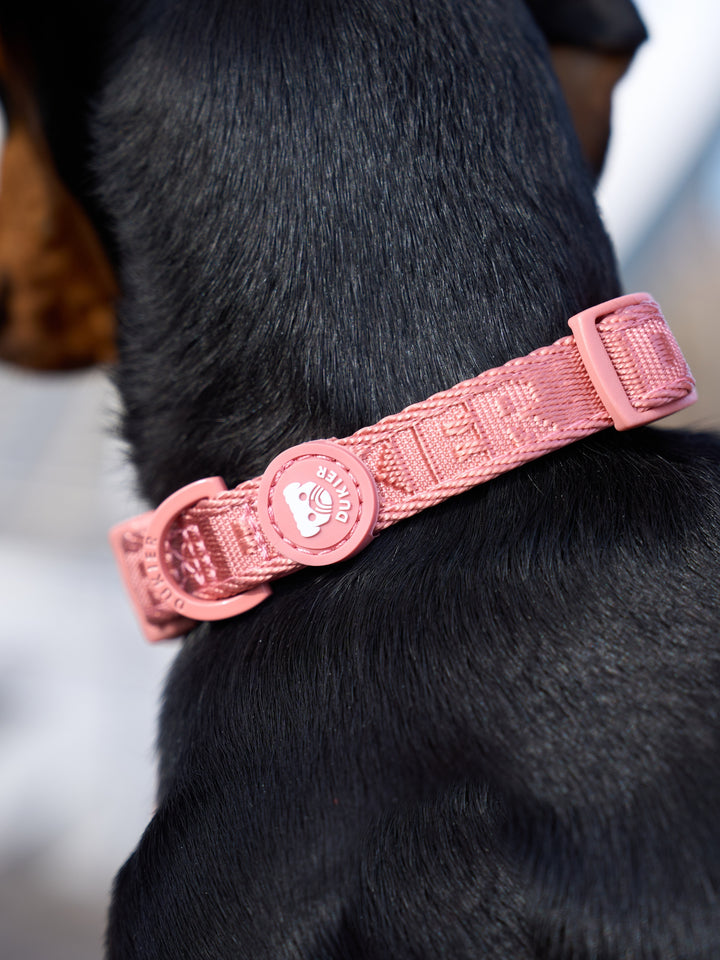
434	450
645	355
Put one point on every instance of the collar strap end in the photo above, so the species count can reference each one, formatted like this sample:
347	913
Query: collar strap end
164	609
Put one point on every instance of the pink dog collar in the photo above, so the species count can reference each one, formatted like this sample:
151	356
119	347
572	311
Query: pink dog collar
208	553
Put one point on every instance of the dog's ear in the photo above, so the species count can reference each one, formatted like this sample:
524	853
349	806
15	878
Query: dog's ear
587	78
57	289
592	43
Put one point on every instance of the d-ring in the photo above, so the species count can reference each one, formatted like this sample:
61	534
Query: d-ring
154	555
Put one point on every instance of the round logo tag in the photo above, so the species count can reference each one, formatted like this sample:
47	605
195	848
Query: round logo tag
317	503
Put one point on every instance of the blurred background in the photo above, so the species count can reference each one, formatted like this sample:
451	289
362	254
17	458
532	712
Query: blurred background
79	688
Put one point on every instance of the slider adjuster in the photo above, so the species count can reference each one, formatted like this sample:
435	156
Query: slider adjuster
602	372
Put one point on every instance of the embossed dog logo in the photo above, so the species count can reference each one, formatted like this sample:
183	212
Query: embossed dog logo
310	504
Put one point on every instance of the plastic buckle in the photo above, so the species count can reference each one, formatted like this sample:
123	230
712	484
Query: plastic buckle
602	373
156	570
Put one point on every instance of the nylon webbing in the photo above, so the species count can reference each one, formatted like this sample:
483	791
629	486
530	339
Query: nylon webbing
431	451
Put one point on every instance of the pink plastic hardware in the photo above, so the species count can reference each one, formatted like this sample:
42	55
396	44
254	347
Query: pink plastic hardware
603	374
169	591
317	503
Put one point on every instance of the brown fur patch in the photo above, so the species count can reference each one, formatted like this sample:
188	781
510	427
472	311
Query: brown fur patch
57	289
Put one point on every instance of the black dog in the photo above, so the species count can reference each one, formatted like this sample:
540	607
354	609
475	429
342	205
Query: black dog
493	733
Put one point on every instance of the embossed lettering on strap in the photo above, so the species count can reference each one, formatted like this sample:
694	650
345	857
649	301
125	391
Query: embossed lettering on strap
323	501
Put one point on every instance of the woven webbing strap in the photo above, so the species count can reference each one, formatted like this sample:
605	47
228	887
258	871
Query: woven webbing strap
426	453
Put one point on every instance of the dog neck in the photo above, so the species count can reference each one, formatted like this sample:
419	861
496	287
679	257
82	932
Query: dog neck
372	234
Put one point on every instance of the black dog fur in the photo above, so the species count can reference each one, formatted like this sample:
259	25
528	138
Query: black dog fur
494	733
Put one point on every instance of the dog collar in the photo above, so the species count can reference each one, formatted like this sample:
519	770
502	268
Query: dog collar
207	553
